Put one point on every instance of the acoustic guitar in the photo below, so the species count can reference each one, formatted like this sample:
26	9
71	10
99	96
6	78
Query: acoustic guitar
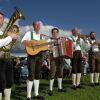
41	45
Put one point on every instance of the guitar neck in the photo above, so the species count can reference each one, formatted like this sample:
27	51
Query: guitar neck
44	44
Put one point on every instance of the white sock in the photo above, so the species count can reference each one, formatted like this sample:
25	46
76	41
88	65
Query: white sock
29	88
78	78
7	93
51	84
74	79
0	96
59	83
91	77
36	87
96	77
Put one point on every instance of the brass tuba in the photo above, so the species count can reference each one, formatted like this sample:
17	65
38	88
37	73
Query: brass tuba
15	16
14	29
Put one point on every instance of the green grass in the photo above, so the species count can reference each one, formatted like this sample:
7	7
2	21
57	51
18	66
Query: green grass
88	93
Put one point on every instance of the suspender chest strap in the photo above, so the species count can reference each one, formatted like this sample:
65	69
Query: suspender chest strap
32	36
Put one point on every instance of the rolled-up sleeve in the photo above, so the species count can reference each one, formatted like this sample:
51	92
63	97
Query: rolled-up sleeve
5	41
26	37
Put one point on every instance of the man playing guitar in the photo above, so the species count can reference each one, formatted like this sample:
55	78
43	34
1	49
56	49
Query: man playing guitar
30	39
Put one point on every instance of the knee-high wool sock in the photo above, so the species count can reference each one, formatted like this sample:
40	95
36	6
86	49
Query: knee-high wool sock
59	83
7	93
36	87
51	84
29	88
74	79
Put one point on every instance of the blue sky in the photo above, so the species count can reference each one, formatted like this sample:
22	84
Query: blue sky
64	14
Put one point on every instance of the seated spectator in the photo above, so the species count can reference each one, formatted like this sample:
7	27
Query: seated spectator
67	67
23	69
46	68
85	65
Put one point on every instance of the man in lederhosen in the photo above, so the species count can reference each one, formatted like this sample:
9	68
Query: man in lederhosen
77	58
94	58
56	64
34	61
6	67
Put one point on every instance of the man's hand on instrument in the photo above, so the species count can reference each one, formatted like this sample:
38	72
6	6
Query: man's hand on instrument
95	43
13	36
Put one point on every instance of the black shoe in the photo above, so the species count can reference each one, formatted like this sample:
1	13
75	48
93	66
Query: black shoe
79	86
61	90
50	93
74	87
39	97
28	98
98	84
92	84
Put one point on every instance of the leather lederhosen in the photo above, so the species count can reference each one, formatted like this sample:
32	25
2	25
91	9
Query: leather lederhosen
6	72
77	62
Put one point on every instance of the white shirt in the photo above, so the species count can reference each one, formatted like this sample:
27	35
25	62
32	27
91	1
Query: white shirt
5	41
27	36
95	48
75	45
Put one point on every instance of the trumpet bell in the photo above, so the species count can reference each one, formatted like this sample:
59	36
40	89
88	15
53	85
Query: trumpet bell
18	13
